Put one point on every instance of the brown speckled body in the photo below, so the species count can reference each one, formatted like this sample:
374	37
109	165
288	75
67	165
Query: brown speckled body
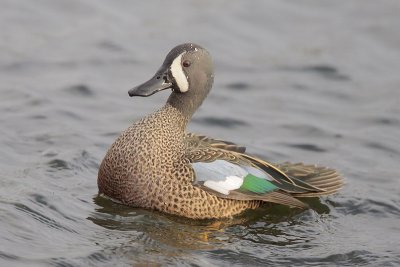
146	167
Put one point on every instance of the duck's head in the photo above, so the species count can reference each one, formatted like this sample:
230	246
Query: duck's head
188	71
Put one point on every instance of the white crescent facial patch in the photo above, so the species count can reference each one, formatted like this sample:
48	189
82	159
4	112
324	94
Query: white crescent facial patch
179	75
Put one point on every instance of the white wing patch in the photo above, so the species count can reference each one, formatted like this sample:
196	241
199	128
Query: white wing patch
219	175
223	176
179	75
217	170
223	187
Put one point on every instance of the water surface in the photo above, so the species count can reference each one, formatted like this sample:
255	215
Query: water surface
311	81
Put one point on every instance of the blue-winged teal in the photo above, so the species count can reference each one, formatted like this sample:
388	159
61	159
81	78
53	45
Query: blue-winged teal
156	164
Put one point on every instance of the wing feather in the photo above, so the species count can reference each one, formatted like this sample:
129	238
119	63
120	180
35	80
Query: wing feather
194	141
293	179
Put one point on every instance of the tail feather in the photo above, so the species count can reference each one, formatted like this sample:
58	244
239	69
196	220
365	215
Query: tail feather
328	180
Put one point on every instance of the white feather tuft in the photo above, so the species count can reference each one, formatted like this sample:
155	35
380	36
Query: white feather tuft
178	74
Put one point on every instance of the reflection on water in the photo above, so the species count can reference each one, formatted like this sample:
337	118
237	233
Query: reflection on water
165	229
186	234
172	237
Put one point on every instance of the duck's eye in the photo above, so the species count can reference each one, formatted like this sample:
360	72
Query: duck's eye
186	63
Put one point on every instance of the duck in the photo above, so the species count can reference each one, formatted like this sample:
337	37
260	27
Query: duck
156	164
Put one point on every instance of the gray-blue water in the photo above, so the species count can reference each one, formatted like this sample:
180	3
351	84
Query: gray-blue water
312	81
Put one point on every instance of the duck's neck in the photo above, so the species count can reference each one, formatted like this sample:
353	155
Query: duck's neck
187	103
184	104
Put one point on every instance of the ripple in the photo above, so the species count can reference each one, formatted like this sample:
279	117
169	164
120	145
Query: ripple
110	134
379	146
38	216
93	259
70	114
50	153
110	46
304	129
300	87
66	165
61	262
220	122
98	257
58	164
44	202
352	258
80	90
37	102
308	147
378	208
238	86
38	117
385	121
326	71
86	160
44	138
8	256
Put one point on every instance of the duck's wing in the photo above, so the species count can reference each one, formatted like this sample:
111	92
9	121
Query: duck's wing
228	175
236	175
202	155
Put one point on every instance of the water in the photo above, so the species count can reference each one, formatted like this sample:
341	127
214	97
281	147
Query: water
311	81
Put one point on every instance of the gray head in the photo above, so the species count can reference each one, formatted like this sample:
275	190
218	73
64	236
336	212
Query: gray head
188	71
